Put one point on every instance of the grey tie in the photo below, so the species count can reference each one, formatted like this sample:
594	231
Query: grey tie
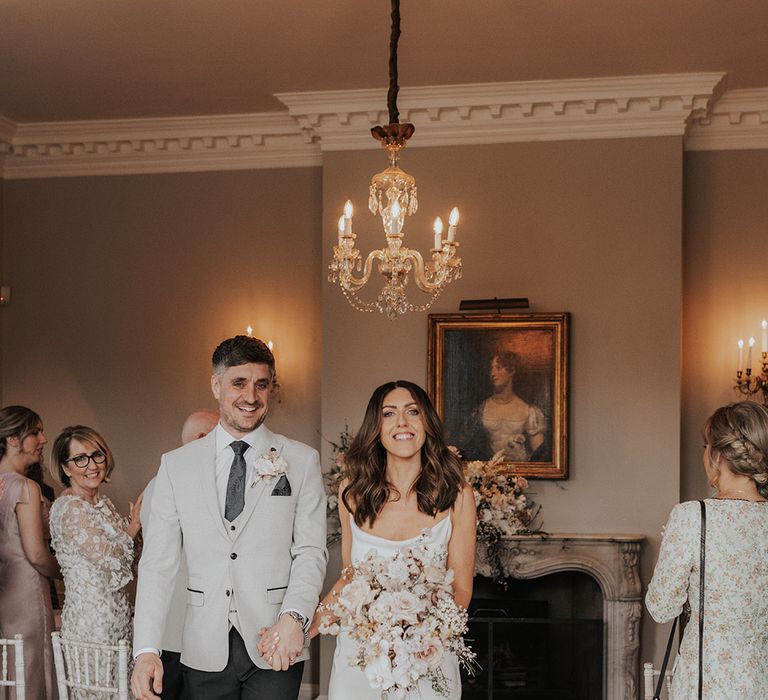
233	506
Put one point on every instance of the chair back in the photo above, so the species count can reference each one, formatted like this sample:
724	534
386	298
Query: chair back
97	668
650	676
18	661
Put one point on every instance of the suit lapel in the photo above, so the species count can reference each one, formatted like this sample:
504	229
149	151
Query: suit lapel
206	466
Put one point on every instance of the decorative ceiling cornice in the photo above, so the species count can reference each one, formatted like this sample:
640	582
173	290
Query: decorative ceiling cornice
186	144
483	113
547	110
737	121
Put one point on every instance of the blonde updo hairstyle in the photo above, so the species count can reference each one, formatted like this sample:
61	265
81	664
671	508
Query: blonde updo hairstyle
738	433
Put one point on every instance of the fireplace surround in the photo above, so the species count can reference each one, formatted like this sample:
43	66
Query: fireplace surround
614	562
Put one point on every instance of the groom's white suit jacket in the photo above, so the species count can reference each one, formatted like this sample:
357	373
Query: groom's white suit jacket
274	560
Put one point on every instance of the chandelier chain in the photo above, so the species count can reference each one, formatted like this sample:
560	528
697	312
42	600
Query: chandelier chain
394	88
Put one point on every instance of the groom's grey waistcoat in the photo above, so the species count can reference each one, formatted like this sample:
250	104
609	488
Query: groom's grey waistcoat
275	558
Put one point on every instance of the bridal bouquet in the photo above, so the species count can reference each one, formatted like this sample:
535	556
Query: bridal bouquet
401	614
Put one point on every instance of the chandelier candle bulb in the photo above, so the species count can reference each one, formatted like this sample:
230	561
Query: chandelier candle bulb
453	219
342	226
741	355
249	331
438	229
348	218
764	325
749	353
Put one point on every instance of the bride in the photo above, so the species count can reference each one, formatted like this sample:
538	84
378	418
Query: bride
401	480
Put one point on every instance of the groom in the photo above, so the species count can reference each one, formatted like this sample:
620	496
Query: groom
247	507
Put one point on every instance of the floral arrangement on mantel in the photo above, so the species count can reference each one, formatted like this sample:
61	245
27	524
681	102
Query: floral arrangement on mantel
503	510
332	480
503	507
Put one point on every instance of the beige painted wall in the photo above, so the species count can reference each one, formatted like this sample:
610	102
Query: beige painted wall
590	227
2	224
124	285
725	294
121	289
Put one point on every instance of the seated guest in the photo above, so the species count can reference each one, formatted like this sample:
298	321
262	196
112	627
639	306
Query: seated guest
735	656
93	542
197	425
26	563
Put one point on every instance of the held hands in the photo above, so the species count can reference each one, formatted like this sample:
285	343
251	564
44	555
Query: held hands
282	643
147	677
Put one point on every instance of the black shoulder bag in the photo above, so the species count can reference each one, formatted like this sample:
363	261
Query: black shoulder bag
702	556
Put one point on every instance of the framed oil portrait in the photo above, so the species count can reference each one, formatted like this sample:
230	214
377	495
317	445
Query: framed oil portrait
500	383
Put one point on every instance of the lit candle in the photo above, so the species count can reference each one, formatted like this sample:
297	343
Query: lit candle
249	331
341	228
270	345
764	324
453	219
741	355
394	218
749	353
438	229
348	218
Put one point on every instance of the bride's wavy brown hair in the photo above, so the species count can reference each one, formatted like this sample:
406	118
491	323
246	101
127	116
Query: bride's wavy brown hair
368	491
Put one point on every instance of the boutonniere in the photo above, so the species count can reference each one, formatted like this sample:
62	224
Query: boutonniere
270	465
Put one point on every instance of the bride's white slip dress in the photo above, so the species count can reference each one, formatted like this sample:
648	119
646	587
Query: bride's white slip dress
349	682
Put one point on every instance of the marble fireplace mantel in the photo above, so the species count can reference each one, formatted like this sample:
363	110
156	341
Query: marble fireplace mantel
614	562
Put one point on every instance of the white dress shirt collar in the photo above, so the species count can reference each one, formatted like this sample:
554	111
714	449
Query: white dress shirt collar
224	439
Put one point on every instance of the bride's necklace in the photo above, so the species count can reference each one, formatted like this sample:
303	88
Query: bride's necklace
503	402
725	495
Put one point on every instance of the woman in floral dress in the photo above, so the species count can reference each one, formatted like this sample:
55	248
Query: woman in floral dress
92	541
735	658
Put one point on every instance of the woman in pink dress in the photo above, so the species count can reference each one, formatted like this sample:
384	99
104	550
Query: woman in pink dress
26	563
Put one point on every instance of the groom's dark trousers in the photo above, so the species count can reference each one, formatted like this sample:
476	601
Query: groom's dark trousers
241	679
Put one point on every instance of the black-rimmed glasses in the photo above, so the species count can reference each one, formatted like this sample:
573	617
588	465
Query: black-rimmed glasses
81	461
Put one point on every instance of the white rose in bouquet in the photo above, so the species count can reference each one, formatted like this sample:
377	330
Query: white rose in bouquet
355	595
406	607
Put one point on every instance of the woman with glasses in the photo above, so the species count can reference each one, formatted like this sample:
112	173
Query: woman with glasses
92	541
26	563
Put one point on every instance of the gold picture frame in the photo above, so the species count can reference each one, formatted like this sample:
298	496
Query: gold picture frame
500	384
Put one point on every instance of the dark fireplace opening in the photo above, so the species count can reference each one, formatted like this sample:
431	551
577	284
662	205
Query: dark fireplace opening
540	638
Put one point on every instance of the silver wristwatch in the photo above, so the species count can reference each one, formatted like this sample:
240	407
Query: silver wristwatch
302	621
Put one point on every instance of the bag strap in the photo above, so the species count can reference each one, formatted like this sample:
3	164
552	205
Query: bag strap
660	684
702	562
702	565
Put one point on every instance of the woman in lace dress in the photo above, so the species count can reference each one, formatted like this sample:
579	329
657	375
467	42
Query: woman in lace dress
26	563
92	541
402	479
735	658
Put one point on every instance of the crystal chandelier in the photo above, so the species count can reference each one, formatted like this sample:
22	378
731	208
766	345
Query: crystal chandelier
392	196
